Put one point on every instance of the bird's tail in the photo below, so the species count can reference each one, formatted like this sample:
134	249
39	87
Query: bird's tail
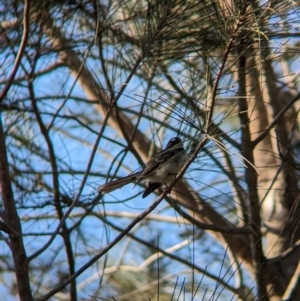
111	186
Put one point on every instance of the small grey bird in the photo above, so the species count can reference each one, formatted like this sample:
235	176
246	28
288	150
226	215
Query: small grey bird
158	171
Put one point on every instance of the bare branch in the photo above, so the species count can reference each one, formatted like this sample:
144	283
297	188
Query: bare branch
266	131
20	51
11	220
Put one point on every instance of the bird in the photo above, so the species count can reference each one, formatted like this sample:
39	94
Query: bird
160	170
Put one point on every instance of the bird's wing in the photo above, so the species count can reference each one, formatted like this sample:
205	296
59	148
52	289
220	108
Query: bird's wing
151	166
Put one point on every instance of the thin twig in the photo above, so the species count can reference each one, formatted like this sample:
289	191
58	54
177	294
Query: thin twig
220	72
20	51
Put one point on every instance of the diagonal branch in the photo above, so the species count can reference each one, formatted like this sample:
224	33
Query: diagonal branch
234	34
104	250
20	51
266	131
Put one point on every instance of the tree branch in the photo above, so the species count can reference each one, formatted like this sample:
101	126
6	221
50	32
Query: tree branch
266	131
20	51
11	219
251	181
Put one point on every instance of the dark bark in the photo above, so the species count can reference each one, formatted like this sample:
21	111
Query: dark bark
12	221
